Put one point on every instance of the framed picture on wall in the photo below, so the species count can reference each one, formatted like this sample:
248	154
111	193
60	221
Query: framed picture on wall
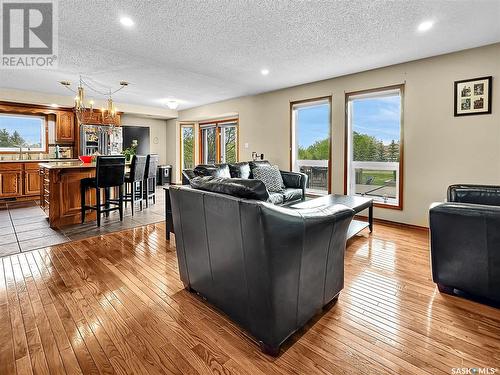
473	96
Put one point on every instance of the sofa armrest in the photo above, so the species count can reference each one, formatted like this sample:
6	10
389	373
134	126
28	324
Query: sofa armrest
295	180
478	194
187	175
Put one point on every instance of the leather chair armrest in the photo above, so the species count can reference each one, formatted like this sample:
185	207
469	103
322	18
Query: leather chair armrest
187	174
295	180
478	194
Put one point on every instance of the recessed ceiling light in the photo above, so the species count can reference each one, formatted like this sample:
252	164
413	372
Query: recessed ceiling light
264	72
425	26
53	105
127	21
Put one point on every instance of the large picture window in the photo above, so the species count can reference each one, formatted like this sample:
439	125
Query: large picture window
374	145
219	142
310	142
22	132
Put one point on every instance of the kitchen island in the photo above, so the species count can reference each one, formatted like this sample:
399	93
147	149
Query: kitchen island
60	191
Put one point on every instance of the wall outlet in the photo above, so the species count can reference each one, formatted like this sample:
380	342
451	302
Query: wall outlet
246	145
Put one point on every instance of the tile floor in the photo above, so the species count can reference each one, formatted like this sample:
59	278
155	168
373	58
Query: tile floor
24	226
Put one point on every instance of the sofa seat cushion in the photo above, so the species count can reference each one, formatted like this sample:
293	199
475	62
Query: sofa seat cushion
271	176
240	170
237	187
220	170
275	198
291	194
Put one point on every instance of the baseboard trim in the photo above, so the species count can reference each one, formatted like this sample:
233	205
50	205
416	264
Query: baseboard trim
392	223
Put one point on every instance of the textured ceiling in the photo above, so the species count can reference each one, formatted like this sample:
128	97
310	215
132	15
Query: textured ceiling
205	51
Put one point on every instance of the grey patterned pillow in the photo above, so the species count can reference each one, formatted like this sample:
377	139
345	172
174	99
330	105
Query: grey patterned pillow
270	176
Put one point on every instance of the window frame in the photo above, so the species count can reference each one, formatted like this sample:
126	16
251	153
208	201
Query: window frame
44	133
347	131
218	125
329	99
181	145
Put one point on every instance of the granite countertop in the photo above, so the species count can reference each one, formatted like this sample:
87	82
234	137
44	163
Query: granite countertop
67	165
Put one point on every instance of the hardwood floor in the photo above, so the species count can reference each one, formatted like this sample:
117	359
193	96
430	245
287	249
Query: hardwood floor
114	304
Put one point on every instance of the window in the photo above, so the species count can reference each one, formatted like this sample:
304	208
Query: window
374	145
27	132
219	142
187	146
310	143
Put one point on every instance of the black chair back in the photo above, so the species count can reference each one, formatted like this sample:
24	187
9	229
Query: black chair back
110	171
152	161
137	168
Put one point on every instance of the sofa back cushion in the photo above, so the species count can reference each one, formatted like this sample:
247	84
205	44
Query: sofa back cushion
237	187
271	176
240	170
220	170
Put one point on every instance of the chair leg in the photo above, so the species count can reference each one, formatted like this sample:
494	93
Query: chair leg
98	205
126	192
82	198
133	186
154	190
120	202
141	183
107	196
146	194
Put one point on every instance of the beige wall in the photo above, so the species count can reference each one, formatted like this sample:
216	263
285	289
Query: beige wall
439	149
160	135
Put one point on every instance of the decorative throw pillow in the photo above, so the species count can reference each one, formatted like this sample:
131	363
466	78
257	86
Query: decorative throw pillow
270	176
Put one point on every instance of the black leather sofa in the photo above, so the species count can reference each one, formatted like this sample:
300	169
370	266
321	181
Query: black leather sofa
269	268
465	242
295	182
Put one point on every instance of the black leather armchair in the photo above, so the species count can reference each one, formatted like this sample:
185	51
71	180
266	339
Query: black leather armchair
269	268
465	241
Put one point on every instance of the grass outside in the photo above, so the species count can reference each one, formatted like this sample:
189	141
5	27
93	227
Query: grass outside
379	177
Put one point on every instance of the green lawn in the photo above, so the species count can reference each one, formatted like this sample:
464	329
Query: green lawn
379	177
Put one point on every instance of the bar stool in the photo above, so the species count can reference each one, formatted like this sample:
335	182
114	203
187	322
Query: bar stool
150	177
134	182
110	172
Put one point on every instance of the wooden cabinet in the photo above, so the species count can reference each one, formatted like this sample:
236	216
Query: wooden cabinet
61	197
31	181
11	180
10	184
19	180
65	127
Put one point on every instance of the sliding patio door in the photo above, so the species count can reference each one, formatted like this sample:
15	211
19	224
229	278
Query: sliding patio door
219	142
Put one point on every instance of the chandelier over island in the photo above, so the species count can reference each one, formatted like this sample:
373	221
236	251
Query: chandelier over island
83	107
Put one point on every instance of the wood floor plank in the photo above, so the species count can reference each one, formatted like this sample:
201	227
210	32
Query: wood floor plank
115	304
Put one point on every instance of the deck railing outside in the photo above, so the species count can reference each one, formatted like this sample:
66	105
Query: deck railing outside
378	180
317	171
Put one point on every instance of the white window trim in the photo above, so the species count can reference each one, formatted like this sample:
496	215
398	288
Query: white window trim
42	131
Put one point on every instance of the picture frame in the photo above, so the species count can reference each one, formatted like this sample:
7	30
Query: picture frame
473	96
